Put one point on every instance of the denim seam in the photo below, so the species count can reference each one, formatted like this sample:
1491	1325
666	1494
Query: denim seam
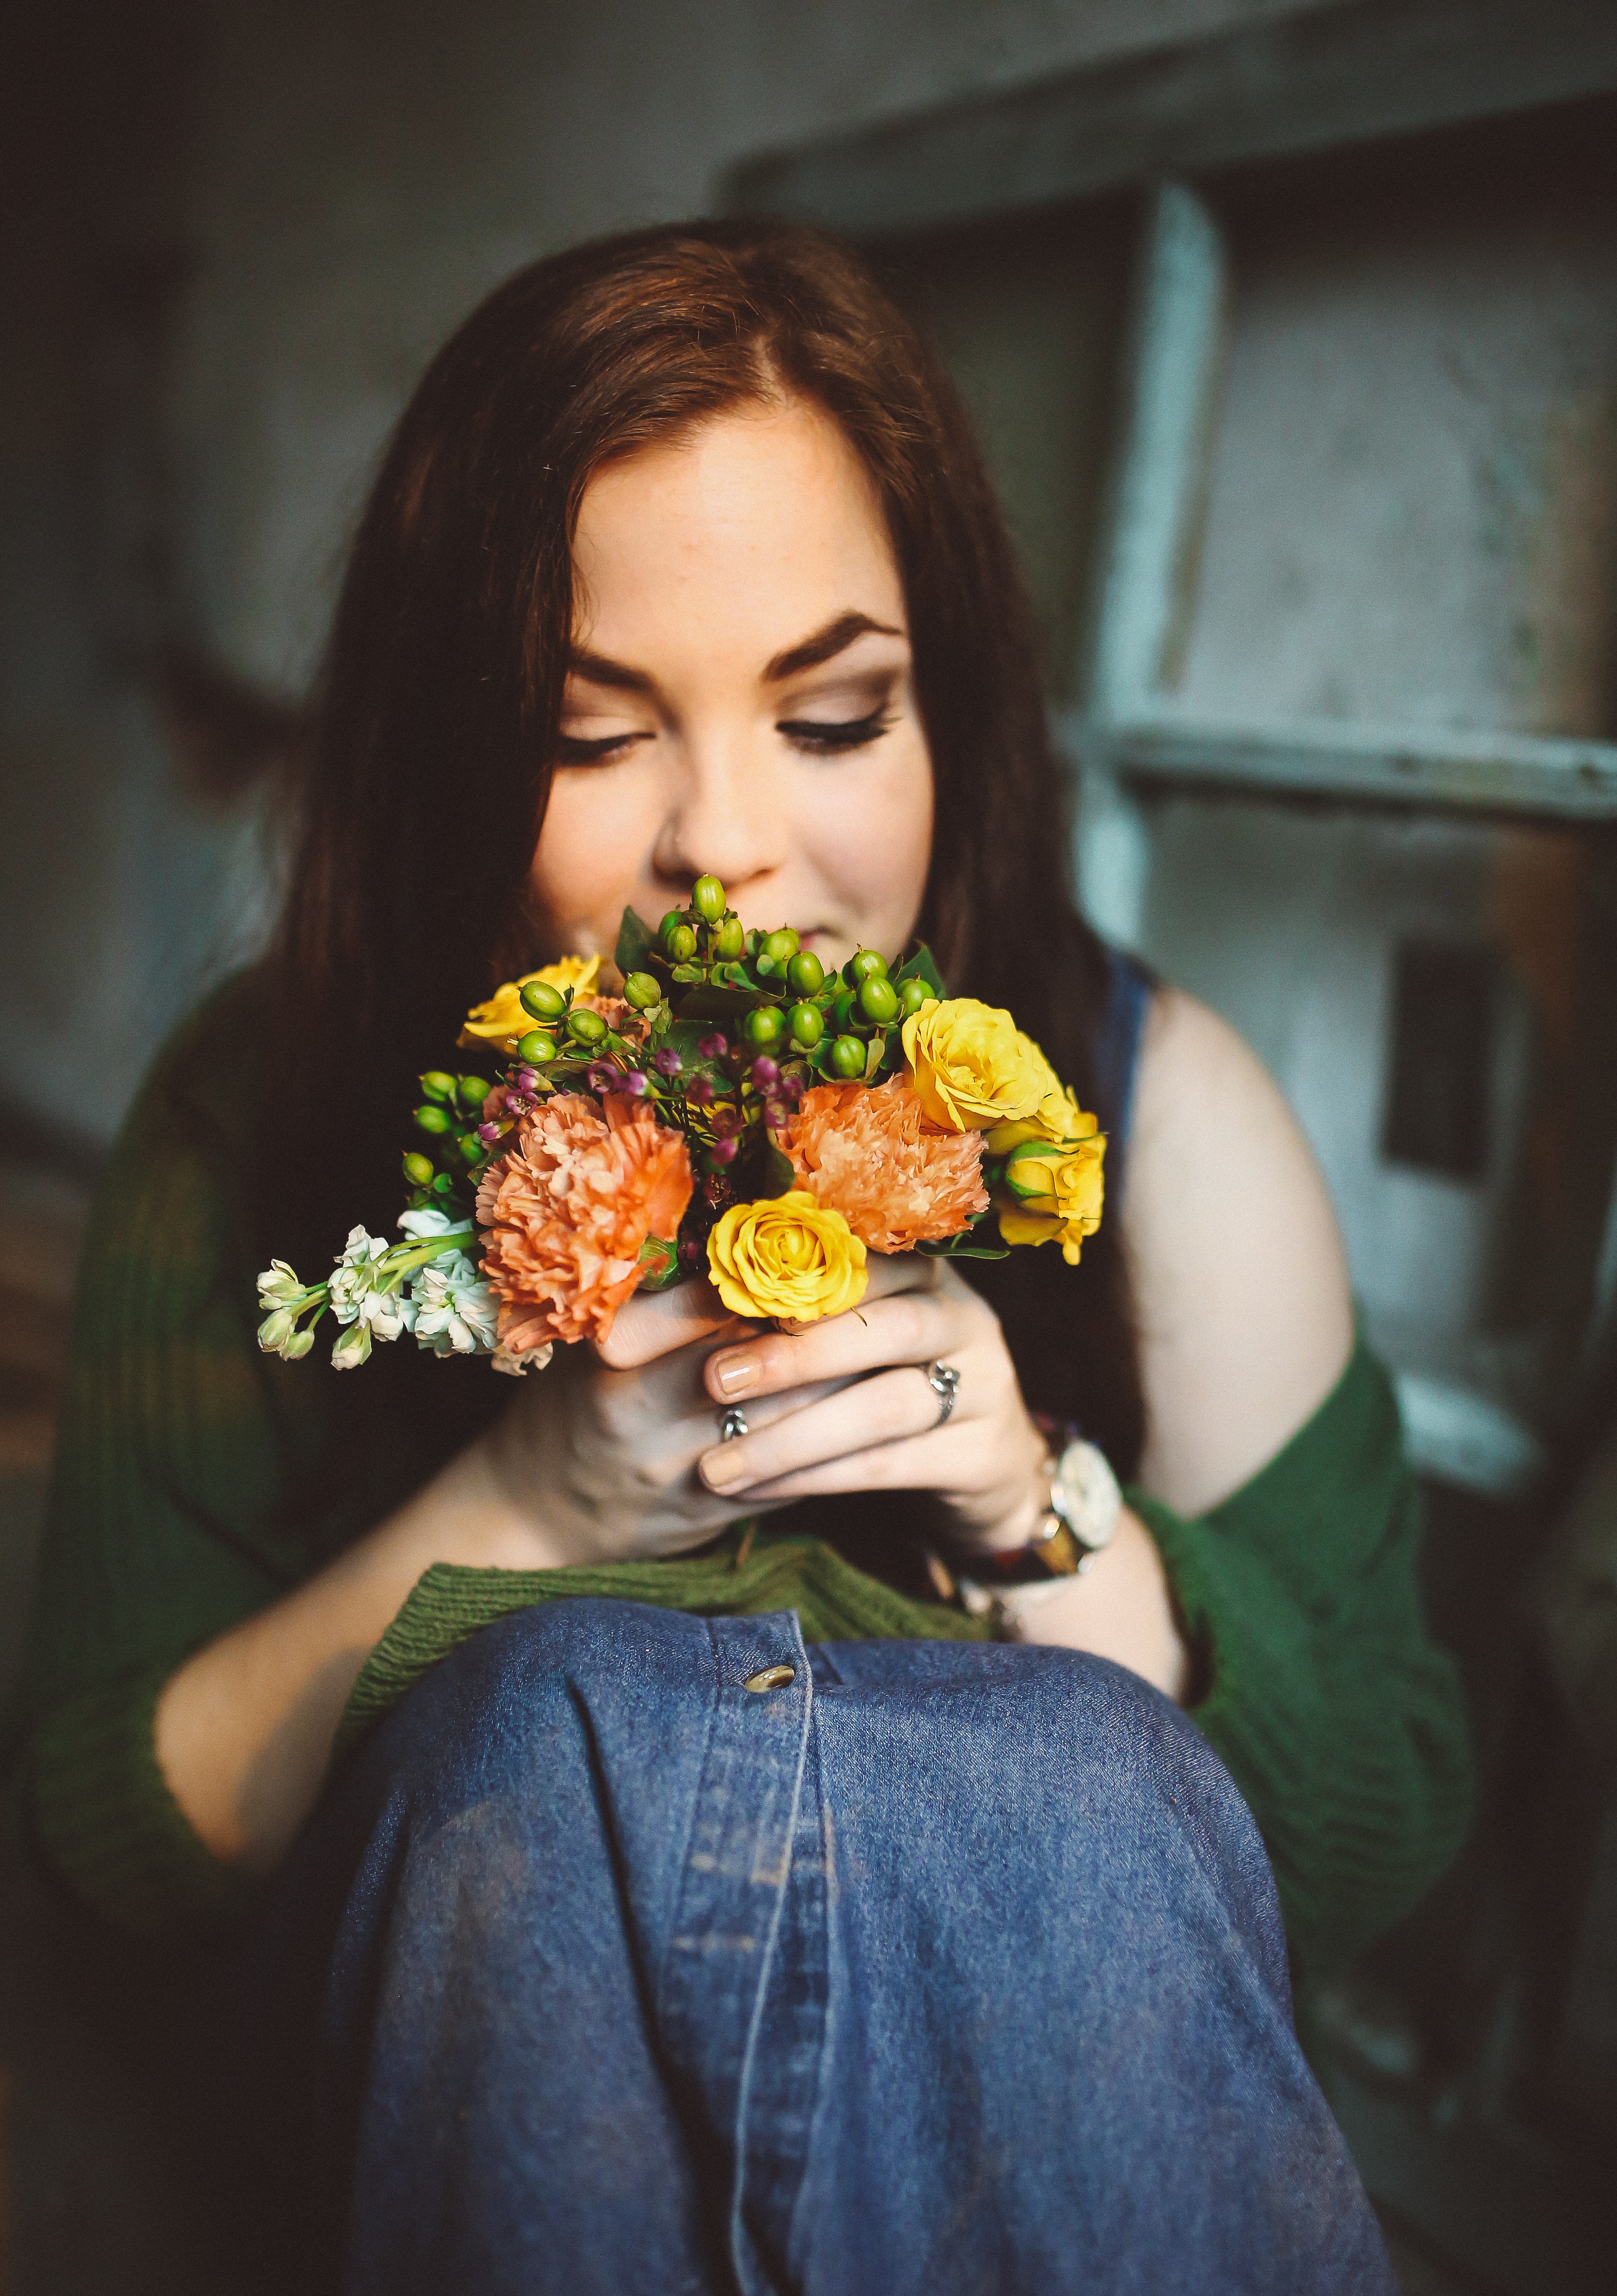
755	2021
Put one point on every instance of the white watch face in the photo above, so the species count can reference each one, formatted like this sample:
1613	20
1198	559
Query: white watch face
1087	1493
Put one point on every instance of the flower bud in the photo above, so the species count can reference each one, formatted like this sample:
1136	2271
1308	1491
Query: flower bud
878	998
538	1046
807	1024
764	1026
488	1134
848	1057
586	1028
275	1330
723	1152
636	1084
542	1000
298	1345
806	973
418	1168
436	1085
432	1118
765	1074
699	1092
667	1061
523	1082
642	990
730	941
708	900
679	943
781	946
714	1048
603	1077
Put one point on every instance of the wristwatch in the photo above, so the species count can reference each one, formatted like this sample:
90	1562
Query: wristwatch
1078	1522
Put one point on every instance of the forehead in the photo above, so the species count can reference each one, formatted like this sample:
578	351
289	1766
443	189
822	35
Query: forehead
764	515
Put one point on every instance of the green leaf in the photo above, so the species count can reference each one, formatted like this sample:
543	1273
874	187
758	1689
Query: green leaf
712	1003
879	1045
921	966
637	947
775	1175
953	1249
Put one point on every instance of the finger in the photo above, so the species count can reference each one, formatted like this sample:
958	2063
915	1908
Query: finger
882	1409
932	1461
905	1328
652	1324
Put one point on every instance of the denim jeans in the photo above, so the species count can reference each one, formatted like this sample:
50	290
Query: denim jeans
932	1968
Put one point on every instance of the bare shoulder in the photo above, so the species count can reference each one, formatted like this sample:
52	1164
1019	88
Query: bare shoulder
1246	1316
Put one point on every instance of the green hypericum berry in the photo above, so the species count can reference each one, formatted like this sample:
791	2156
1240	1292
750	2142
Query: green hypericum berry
806	1024
864	964
913	994
782	945
643	990
432	1119
472	1091
588	1027
764	1026
443	1185
679	942
708	900
730	941
536	1047
545	1001
848	1057
879	999
842	1009
470	1147
418	1168
438	1084
806	973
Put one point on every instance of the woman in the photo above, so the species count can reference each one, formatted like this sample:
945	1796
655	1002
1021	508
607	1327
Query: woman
741	1919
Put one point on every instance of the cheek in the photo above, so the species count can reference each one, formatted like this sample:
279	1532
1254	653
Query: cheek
587	862
881	841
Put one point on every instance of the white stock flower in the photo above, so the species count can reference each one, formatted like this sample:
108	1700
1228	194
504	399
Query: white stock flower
425	1222
450	1310
354	1299
278	1287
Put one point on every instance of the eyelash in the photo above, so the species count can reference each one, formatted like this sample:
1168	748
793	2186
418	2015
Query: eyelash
819	736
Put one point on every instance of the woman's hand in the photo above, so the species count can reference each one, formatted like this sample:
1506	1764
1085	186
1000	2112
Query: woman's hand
846	1406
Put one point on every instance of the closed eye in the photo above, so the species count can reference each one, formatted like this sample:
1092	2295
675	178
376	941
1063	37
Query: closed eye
571	751
826	737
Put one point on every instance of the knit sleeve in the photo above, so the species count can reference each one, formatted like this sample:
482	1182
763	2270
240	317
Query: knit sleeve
162	1526
1338	1718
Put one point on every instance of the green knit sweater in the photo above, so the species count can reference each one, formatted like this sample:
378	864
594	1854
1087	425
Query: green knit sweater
198	1480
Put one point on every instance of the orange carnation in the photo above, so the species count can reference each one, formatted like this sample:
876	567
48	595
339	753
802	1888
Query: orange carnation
564	1213
871	1155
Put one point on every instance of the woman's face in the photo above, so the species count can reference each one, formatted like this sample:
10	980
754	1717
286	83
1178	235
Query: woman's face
739	700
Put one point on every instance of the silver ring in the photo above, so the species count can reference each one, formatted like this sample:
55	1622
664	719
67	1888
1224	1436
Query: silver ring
945	1382
732	1424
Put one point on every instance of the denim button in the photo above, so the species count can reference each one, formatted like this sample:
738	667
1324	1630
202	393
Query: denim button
772	1677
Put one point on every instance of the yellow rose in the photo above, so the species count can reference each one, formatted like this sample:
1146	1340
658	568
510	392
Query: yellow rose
971	1067
504	1017
1052	1192
786	1256
1057	1117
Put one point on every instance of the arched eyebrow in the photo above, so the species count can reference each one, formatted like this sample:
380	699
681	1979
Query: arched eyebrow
835	639
832	640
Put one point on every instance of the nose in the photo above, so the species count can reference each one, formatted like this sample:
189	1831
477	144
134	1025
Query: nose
727	818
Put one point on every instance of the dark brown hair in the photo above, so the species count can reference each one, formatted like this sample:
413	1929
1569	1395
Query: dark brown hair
429	774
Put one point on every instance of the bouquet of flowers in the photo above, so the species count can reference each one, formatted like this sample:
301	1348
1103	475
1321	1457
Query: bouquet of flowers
736	1110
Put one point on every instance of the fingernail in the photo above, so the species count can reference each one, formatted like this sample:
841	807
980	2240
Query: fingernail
737	1374
722	1471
